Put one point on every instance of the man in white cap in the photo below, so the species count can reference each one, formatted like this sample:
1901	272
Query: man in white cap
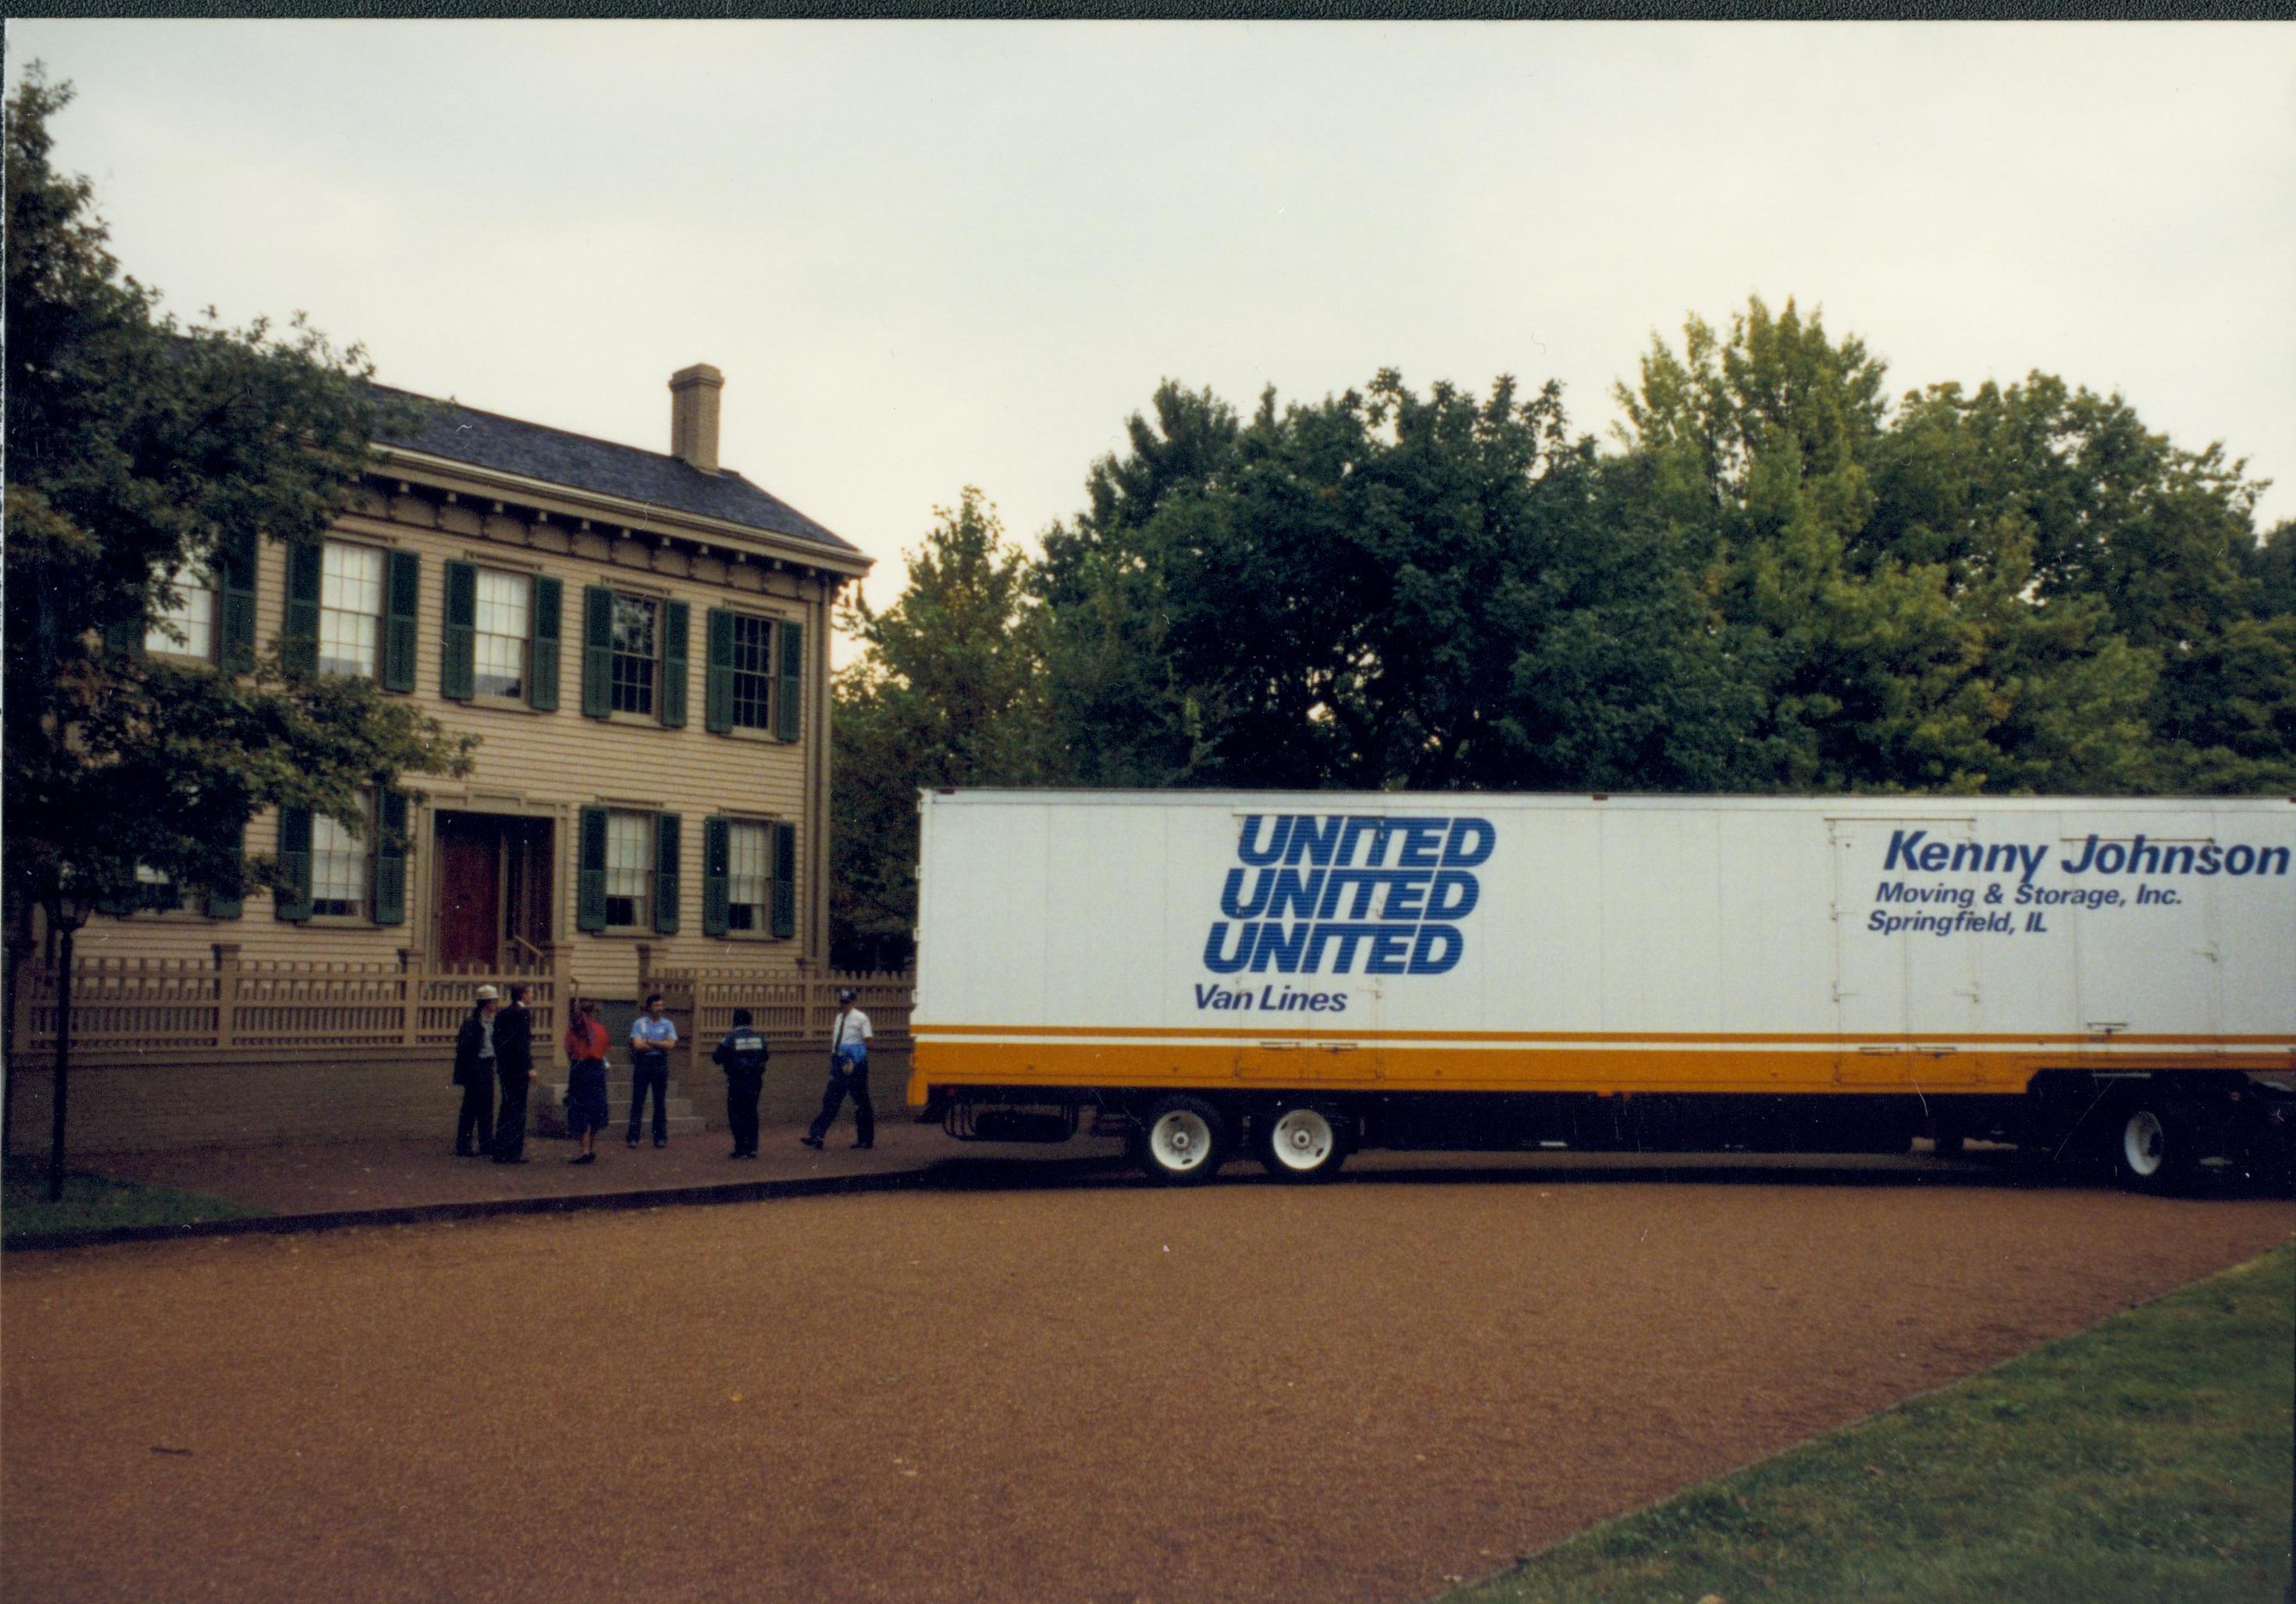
848	1075
474	1072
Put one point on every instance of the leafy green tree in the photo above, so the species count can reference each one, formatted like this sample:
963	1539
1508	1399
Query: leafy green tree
1384	588
1920	626
948	692
139	450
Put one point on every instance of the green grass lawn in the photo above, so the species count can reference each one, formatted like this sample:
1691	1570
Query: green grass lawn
91	1203
2147	1459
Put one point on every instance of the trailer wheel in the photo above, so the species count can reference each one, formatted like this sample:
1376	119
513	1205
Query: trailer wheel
1301	1143
1181	1142
2151	1146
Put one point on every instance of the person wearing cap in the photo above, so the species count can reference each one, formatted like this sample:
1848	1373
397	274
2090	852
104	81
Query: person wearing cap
474	1072
742	1054
848	1072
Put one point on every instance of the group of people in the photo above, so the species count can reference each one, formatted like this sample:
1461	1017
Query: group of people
496	1046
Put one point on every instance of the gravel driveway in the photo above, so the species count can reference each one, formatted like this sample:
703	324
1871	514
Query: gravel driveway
1097	1391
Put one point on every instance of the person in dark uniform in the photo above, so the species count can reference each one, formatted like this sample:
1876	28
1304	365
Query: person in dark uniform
742	1056
474	1072
514	1067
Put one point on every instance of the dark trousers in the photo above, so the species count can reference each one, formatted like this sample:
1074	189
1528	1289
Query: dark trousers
855	1080
477	1115
741	1089
510	1119
650	1071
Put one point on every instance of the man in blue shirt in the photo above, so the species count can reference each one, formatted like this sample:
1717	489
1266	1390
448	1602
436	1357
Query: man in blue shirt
651	1037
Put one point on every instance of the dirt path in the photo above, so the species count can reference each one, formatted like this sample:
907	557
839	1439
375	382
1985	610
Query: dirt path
1102	1392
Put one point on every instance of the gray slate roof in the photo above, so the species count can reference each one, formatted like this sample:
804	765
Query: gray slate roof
464	434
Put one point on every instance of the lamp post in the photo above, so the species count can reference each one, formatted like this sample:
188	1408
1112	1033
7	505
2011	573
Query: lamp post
66	912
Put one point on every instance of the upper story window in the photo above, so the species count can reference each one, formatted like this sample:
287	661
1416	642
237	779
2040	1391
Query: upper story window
338	870
501	633
188	628
636	647
351	610
753	672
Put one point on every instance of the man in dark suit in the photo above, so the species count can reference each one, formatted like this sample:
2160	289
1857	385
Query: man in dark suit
514	1067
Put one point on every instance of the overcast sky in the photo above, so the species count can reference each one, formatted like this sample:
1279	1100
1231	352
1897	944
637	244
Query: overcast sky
929	255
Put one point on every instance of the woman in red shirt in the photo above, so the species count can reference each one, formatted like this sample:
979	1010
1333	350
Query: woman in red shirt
586	1082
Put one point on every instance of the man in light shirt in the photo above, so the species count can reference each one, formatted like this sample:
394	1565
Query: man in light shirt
848	1072
651	1037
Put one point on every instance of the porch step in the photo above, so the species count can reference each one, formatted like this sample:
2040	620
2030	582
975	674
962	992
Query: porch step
546	1110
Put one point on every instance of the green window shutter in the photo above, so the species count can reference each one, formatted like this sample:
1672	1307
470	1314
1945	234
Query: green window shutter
122	637
123	903
458	633
299	633
717	851
784	880
666	885
292	900
597	653
220	906
674	617
590	880
718	677
235	581
390	858
402	599
790	691
542	645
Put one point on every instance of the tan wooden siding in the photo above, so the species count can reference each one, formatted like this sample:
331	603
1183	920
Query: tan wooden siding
552	764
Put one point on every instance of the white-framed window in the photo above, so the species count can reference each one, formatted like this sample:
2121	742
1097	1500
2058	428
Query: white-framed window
753	673
637	651
156	891
749	875
192	618
350	608
338	870
499	640
629	870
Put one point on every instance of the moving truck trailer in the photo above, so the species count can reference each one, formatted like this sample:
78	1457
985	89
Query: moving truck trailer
1306	974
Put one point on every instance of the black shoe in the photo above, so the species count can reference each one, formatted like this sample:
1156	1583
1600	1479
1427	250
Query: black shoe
634	1141
812	1141
658	1141
862	1147
513	1161
584	1158
463	1153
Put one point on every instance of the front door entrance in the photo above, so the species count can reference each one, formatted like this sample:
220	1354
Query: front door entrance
494	890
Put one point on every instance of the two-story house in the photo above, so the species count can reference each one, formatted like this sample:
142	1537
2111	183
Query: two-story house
641	642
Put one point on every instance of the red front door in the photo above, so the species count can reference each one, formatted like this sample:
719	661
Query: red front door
470	889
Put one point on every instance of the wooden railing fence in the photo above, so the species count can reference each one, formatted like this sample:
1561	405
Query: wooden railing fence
155	1008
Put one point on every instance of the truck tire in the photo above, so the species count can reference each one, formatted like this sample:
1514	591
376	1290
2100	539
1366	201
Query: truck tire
1181	1142
1301	1143
2150	1145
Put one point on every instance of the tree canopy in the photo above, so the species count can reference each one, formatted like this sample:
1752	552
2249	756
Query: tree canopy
1779	578
140	450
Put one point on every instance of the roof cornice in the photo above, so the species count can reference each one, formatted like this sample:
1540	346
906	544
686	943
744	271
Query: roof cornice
568	500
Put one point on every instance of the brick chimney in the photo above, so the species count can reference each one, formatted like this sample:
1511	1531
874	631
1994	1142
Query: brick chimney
693	415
